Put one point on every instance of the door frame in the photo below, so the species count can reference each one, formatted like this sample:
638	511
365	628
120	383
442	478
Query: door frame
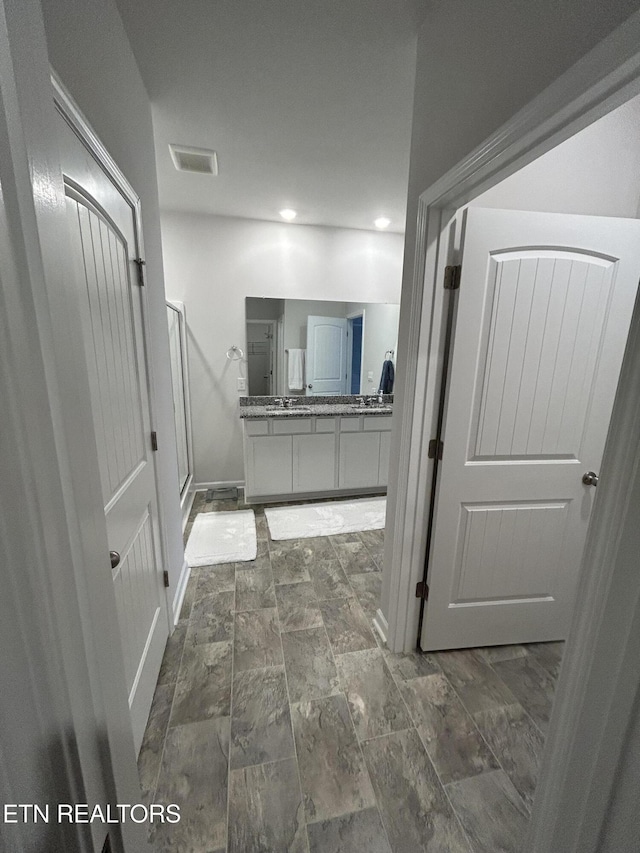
71	113
602	80
576	785
179	308
273	324
70	624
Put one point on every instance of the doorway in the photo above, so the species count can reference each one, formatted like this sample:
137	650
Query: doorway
261	360
541	320
355	334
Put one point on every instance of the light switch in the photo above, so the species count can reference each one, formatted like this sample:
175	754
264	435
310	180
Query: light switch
370	376
242	383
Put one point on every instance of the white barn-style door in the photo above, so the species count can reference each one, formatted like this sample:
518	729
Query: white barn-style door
102	227
543	312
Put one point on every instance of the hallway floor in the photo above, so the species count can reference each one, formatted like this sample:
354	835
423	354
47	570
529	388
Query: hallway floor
281	724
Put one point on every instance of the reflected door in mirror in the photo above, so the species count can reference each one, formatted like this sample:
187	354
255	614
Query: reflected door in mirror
326	356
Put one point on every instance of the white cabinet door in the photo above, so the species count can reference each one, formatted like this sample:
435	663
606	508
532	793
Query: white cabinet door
359	459
544	308
314	462
383	470
269	469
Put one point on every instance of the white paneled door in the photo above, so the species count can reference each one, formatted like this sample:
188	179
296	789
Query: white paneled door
326	356
543	312
102	225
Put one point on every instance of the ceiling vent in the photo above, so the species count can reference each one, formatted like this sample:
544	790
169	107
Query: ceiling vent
198	160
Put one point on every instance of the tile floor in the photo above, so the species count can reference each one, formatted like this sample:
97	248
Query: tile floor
280	723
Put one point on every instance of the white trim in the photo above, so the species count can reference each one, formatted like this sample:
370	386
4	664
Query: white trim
184	349
181	588
186	503
219	484
602	80
80	125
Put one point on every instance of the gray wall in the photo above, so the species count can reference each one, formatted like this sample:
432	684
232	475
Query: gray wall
213	263
88	48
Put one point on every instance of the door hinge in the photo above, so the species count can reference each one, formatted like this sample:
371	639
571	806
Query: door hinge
422	590
154	440
452	277
165	577
436	448
140	264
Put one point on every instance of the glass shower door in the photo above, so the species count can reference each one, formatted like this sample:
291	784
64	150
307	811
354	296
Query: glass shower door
177	347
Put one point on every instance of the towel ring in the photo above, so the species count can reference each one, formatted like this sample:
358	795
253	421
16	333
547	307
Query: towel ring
234	353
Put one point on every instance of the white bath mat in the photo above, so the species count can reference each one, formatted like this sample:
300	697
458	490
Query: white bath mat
326	519
222	537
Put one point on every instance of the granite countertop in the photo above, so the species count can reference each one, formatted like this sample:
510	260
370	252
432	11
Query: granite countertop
323	410
314	407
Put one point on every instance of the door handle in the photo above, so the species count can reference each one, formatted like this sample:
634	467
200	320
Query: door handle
115	558
590	478
309	386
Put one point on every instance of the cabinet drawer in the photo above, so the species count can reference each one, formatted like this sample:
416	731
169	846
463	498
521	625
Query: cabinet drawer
325	424
378	423
256	427
290	426
351	424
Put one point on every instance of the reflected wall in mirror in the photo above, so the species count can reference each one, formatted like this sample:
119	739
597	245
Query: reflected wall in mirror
313	347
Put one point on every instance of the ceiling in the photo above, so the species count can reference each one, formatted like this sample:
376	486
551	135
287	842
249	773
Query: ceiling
307	103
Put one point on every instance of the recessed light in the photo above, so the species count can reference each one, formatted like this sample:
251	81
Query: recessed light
288	214
382	222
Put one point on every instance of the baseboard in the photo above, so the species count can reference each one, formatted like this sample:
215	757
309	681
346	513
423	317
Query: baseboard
187	503
219	484
381	625
180	591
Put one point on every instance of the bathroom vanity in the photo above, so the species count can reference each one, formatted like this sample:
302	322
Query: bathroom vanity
320	447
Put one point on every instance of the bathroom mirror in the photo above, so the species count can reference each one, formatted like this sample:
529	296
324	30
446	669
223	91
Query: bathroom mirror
314	347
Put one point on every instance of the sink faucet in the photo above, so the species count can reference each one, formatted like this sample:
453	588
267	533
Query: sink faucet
279	402
361	402
289	402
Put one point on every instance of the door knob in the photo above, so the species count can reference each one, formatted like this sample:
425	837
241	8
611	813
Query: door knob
309	386
590	478
115	558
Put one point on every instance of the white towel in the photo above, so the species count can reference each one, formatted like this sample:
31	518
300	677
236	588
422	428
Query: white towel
296	369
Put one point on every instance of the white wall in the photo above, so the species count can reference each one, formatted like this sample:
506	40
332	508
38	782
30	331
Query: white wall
596	172
380	335
212	263
88	48
477	65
